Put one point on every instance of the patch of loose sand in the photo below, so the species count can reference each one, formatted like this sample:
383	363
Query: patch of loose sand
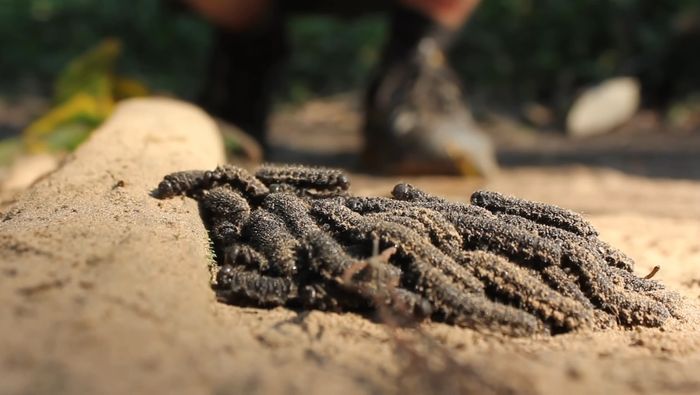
106	290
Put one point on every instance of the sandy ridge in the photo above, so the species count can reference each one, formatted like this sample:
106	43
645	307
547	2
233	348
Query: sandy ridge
92	266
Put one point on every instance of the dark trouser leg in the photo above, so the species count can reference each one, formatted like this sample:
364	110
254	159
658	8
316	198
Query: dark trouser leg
416	121
243	65
241	74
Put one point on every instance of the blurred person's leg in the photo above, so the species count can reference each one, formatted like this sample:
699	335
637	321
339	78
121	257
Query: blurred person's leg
249	44
449	13
416	117
416	120
248	47
235	15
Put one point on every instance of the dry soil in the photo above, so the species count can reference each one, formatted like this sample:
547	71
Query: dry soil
106	290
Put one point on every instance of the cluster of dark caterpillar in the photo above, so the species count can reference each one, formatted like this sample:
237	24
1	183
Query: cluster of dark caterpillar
293	236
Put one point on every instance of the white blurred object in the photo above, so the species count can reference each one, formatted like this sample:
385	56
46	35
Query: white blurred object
603	108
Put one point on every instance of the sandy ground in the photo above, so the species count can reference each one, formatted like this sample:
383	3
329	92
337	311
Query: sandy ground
105	289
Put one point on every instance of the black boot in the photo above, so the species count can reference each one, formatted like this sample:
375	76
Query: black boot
416	117
241	75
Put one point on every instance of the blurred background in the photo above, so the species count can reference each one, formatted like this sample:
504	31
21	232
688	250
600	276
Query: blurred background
523	62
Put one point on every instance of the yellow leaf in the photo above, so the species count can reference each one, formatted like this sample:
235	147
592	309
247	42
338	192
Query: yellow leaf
125	88
89	73
80	108
85	93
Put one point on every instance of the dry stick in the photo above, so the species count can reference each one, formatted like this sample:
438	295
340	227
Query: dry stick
653	272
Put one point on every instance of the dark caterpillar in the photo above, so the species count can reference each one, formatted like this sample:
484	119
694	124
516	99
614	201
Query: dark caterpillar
293	236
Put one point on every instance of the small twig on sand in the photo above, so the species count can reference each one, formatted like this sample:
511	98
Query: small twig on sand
653	272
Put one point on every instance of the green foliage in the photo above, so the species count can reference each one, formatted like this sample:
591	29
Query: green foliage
39	37
85	92
329	56
512	50
89	73
10	148
545	49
